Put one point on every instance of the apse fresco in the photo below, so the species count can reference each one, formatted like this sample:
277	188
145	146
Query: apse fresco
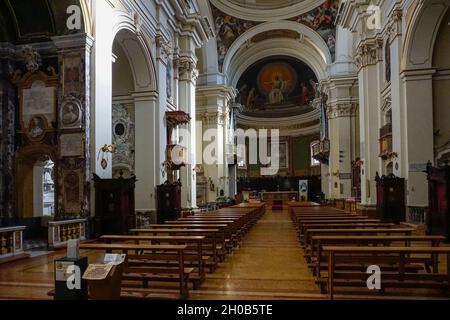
322	20
275	84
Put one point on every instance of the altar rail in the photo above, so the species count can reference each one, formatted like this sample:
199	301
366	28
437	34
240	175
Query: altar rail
59	232
11	243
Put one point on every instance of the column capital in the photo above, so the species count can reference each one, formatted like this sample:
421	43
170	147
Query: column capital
187	70
369	53
395	24
163	48
213	118
74	42
342	110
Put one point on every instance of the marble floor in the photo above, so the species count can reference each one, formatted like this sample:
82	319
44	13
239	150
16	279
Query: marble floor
269	264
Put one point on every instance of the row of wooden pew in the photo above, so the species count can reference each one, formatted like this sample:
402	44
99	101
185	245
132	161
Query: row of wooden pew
340	247
179	252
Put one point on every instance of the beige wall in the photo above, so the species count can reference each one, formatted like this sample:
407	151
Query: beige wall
123	83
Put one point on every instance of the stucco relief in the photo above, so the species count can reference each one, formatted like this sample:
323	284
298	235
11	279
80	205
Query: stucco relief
123	127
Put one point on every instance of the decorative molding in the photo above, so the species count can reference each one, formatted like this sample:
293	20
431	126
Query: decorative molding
341	110
123	128
369	53
216	118
164	49
394	27
187	69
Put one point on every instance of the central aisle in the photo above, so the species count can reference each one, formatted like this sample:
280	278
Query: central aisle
268	265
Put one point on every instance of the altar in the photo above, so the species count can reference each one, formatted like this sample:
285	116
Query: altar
285	196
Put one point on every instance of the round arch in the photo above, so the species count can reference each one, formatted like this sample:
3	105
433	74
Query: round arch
277	47
421	34
135	46
312	37
263	14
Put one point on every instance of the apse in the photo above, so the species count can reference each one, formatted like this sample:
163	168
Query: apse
277	87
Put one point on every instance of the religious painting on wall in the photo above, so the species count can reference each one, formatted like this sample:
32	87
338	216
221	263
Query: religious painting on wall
275	84
72	74
277	81
169	78
322	20
72	192
70	114
387	62
282	153
228	29
36	128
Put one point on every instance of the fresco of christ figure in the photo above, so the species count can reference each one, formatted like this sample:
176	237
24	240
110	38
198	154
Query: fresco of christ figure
279	87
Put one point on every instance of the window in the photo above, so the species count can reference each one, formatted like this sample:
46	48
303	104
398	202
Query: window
314	162
48	189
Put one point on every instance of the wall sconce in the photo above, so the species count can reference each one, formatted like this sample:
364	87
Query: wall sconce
112	148
393	155
103	154
336	174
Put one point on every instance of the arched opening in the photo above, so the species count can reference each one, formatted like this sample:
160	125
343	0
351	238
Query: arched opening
36	191
441	83
123	113
133	115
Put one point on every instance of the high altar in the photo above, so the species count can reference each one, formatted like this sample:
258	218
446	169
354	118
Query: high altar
285	196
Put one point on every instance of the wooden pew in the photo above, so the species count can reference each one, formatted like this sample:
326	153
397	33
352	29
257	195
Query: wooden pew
234	228
214	240
373	256
224	229
145	274
353	231
193	255
317	256
360	224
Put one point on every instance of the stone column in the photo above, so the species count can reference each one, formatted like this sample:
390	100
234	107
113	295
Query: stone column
163	52
212	108
342	118
397	99
368	62
74	171
418	89
147	169
8	105
188	75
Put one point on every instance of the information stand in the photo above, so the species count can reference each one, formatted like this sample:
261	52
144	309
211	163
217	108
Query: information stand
105	279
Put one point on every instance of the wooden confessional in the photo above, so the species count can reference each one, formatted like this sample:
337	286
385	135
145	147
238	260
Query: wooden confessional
168	201
438	216
391	205
114	205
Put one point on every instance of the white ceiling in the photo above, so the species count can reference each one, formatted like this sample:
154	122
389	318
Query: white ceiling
265	4
266	10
